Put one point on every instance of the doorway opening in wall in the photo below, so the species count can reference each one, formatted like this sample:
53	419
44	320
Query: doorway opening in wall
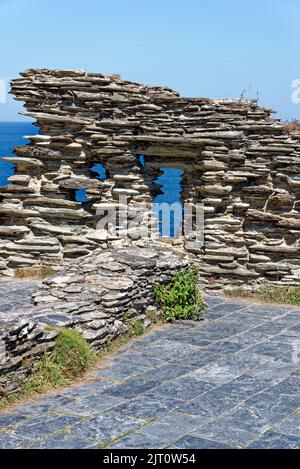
167	204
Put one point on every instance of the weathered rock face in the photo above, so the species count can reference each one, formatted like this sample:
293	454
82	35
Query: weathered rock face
238	162
98	295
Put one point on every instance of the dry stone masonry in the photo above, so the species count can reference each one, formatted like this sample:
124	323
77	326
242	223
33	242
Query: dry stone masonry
238	161
100	295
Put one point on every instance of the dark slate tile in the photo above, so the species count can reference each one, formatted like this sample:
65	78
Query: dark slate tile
196	360
190	338
289	386
166	372
237	428
272	406
211	404
269	328
148	406
267	311
228	307
106	427
224	346
137	441
193	442
247	339
213	300
274	370
62	441
273	349
132	387
43	426
245	386
90	405
185	388
168	349
172	426
7	419
274	440
8	441
290	426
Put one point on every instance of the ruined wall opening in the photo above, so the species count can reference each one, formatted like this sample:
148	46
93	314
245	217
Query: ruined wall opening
97	172
169	196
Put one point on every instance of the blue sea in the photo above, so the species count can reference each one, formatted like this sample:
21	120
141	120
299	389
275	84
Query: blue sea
11	135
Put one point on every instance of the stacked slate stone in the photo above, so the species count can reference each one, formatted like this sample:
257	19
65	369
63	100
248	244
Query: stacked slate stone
99	295
237	160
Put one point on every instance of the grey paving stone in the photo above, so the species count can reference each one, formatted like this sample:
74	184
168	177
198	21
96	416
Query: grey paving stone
172	426
274	370
90	405
137	441
274	440
193	442
185	388
12	442
7	420
273	406
62	441
190	338
132	387
270	312
91	388
236	428
274	349
245	386
290	426
211	404
41	427
166	372
106	427
196	360
148	406
269	328
167	349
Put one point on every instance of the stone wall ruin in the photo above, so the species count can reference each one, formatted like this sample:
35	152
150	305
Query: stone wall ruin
237	161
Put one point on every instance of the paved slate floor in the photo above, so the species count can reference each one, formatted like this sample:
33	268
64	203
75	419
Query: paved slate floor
229	381
14	294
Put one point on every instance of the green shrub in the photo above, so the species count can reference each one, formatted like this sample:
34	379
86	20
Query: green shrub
181	298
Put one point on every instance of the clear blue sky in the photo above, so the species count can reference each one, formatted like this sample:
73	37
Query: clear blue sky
210	48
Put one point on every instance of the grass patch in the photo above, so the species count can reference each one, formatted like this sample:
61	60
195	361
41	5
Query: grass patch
34	272
69	359
269	294
181	298
139	327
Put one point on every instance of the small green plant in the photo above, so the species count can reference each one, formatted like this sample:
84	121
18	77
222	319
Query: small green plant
139	327
181	298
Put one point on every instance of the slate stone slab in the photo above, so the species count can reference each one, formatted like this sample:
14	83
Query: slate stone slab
274	440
